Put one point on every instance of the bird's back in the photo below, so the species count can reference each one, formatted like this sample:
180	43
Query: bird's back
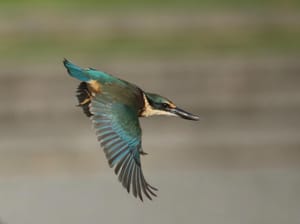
98	82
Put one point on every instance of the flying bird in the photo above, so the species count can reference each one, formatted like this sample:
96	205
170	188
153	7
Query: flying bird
114	107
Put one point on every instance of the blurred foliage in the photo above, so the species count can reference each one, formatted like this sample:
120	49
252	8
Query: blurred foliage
129	4
32	29
166	45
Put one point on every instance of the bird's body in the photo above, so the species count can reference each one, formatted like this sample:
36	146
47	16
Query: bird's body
114	106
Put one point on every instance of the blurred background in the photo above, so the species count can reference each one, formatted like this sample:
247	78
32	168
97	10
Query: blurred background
235	63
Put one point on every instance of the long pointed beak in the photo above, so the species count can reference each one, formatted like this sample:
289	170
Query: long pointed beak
184	114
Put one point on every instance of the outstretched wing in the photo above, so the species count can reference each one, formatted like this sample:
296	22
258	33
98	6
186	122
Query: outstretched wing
118	130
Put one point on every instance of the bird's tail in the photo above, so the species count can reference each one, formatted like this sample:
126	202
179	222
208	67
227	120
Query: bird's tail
75	71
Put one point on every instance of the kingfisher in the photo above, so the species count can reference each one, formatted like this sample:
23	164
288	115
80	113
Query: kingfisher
114	107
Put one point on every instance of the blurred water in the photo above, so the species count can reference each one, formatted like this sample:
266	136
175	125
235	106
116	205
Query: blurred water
268	196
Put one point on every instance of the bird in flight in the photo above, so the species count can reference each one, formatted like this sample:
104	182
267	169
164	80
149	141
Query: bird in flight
114	107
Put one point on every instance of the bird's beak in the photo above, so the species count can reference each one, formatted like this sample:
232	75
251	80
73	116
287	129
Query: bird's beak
184	114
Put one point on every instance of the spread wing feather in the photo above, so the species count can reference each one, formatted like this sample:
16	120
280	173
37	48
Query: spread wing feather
118	130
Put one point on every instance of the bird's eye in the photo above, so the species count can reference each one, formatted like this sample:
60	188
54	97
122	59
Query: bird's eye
165	105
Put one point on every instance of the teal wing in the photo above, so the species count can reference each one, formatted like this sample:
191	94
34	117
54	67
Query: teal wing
118	130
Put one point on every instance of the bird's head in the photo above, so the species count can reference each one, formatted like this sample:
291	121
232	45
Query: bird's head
159	105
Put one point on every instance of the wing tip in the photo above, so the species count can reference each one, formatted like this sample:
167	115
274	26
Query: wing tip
136	182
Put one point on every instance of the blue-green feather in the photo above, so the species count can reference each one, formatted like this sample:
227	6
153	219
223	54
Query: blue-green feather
118	129
75	71
88	74
115	114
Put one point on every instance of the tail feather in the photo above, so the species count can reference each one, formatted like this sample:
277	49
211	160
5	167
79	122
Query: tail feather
75	71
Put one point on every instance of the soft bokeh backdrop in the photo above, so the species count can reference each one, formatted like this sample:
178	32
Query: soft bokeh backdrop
236	63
